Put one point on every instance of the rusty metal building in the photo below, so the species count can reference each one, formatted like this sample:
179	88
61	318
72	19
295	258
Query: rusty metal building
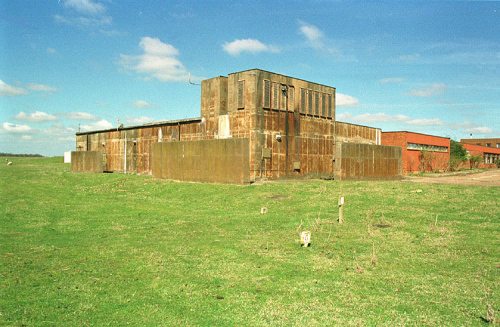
254	125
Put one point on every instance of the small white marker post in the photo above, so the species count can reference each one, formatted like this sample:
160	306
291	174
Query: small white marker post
305	239
341	209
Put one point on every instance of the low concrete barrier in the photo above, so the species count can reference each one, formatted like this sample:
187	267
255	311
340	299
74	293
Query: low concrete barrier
87	161
354	161
211	161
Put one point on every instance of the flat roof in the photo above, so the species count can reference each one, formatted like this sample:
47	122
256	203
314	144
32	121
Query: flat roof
417	133
265	71
155	124
343	122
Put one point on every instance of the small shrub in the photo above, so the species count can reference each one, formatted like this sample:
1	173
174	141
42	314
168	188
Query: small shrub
474	161
454	164
497	163
427	160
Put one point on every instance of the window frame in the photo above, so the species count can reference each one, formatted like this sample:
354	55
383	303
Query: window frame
240	101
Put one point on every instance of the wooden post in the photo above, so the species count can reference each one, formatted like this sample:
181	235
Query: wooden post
341	209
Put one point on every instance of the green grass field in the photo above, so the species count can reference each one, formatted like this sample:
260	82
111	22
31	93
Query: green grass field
115	249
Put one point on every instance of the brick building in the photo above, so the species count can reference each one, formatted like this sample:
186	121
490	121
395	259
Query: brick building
254	125
493	143
421	152
487	154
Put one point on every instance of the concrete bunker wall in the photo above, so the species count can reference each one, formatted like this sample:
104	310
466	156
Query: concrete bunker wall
211	161
356	161
88	161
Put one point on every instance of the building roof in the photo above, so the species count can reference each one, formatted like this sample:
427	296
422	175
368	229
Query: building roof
155	124
416	133
265	71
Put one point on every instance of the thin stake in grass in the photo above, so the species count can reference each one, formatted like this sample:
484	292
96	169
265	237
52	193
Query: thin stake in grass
374	257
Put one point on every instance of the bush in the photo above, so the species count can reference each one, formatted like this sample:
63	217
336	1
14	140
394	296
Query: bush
474	161
457	150
454	164
497	163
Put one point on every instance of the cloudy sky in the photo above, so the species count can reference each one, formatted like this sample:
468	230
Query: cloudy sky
424	66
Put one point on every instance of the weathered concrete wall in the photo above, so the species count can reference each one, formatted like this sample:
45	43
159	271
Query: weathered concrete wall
88	161
289	124
290	120
367	162
129	149
352	133
211	161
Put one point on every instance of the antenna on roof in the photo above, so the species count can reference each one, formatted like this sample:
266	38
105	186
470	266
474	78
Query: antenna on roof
189	79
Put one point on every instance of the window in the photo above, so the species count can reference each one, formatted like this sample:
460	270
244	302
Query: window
303	100
323	105
291	95
241	94
330	113
498	145
426	147
266	102
316	103
284	94
276	96
309	102
488	144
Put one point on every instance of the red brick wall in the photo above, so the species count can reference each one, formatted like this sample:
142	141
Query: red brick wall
411	158
479	150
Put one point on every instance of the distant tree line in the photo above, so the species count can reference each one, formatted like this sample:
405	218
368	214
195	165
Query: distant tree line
20	155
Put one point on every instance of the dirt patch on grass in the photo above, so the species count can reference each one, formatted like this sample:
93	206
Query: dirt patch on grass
484	178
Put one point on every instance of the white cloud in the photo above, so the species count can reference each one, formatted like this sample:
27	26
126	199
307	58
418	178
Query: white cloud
425	122
479	130
343	100
86	7
37	117
143	104
84	21
311	32
392	80
100	125
41	87
428	91
11	91
407	58
58	129
158	61
247	45
14	128
371	118
138	120
79	116
51	50
88	14
317	39
465	124
27	137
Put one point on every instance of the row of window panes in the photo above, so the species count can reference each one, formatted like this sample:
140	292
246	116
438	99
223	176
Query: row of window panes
426	147
316	103
275	96
490	158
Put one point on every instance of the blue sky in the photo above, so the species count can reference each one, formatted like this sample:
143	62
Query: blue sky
424	66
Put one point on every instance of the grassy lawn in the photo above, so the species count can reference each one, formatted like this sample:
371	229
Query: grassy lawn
114	249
